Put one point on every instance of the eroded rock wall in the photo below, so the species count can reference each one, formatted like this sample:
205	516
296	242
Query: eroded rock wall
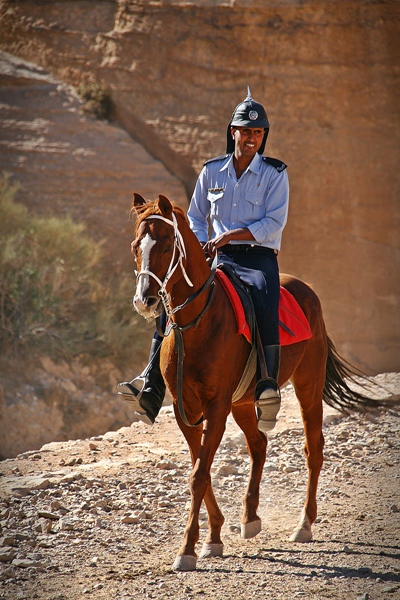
69	163
328	74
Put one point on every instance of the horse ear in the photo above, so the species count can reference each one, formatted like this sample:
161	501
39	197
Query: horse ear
165	206
138	202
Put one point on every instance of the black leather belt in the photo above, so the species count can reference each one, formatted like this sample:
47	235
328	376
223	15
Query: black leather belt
248	249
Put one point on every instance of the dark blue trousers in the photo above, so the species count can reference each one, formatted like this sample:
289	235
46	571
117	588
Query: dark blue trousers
258	268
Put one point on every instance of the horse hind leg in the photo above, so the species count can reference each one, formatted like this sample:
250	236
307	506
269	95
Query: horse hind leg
245	416
313	450
309	387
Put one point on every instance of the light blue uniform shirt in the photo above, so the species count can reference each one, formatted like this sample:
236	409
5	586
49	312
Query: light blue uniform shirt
259	200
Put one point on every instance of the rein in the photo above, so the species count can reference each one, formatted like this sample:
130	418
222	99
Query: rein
179	245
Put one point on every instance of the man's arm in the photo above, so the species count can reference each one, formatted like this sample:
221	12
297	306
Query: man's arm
269	228
235	234
199	209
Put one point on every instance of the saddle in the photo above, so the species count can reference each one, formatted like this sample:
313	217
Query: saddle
293	325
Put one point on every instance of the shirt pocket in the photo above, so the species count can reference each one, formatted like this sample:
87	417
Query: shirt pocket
255	205
216	202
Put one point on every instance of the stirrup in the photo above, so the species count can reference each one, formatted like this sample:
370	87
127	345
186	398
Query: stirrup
134	400
269	394
129	391
263	391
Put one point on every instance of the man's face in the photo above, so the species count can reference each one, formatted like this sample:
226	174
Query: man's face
247	140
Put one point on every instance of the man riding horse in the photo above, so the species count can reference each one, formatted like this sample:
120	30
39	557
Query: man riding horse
244	196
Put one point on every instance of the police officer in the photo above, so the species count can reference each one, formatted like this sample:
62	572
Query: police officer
244	197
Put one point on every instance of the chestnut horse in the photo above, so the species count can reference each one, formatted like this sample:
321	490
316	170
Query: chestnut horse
202	364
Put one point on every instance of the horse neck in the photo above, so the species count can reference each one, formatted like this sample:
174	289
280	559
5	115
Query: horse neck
198	272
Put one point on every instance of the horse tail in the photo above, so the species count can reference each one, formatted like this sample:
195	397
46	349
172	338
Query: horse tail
338	394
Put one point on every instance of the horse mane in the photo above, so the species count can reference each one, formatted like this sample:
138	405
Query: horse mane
151	208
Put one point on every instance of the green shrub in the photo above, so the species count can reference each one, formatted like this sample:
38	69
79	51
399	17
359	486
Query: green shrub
53	297
97	98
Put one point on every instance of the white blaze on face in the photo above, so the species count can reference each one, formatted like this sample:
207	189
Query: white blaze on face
145	247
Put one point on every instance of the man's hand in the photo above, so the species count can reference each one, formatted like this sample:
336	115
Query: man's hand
212	246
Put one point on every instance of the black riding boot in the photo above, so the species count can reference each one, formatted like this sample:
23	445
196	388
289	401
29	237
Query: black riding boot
267	394
147	401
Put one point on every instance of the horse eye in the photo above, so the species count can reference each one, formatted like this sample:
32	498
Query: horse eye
167	250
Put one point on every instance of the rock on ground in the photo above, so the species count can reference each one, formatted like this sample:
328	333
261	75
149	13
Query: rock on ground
103	517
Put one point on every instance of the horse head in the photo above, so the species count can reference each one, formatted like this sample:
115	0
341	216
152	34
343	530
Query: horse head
159	250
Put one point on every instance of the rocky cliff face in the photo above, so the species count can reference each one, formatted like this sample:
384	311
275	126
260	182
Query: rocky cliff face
328	74
69	163
66	164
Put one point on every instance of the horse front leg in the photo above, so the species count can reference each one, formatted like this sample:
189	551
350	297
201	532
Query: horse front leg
213	545
245	416
203	444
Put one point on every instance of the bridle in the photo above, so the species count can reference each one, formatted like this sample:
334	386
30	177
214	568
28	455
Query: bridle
179	248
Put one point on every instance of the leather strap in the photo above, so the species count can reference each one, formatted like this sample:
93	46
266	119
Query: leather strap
179	346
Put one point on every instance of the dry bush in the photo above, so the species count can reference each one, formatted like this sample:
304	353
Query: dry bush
54	297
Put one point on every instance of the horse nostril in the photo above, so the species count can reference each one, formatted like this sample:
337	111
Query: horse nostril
151	301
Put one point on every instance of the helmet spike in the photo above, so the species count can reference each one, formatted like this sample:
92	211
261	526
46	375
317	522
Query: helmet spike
248	94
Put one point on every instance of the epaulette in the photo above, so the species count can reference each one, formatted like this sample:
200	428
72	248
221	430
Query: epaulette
222	157
274	162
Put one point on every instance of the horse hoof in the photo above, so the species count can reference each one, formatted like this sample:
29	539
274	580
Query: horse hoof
250	530
302	535
185	562
210	550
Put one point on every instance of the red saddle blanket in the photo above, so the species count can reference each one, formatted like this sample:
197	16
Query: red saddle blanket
293	325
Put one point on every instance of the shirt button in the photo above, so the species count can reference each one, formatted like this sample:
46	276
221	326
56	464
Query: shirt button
234	205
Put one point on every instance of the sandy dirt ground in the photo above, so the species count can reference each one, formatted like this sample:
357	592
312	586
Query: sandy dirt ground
103	518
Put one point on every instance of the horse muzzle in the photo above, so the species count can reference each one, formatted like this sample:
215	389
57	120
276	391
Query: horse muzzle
148	307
